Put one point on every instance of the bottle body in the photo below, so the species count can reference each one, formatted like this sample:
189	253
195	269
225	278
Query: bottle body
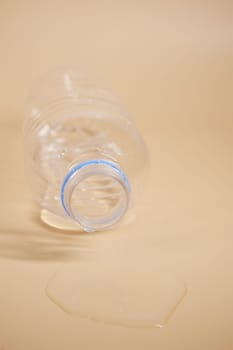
84	150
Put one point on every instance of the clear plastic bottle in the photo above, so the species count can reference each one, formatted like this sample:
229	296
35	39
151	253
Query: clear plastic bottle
85	152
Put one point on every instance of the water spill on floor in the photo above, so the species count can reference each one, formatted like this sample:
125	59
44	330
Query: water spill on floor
62	223
59	222
129	294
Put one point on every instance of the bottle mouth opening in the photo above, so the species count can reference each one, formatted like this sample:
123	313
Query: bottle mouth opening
95	194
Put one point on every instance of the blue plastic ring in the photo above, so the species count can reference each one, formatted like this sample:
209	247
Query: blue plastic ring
91	162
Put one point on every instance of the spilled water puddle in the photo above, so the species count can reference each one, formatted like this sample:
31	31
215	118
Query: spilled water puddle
129	294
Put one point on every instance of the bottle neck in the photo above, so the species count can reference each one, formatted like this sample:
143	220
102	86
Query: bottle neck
95	194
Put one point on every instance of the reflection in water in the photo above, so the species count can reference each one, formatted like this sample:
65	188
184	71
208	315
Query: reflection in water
124	292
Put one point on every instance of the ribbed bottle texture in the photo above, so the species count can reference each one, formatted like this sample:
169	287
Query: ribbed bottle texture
84	150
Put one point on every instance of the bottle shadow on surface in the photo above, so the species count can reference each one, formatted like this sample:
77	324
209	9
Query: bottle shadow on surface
34	240
28	245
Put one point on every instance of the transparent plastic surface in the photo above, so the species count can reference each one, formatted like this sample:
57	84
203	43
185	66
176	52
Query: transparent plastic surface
86	154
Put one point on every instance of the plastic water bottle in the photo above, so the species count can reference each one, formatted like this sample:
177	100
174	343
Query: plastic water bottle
85	152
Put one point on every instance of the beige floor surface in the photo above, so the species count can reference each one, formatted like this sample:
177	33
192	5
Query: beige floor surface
171	63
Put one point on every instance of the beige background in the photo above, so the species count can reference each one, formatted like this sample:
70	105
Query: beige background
171	62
